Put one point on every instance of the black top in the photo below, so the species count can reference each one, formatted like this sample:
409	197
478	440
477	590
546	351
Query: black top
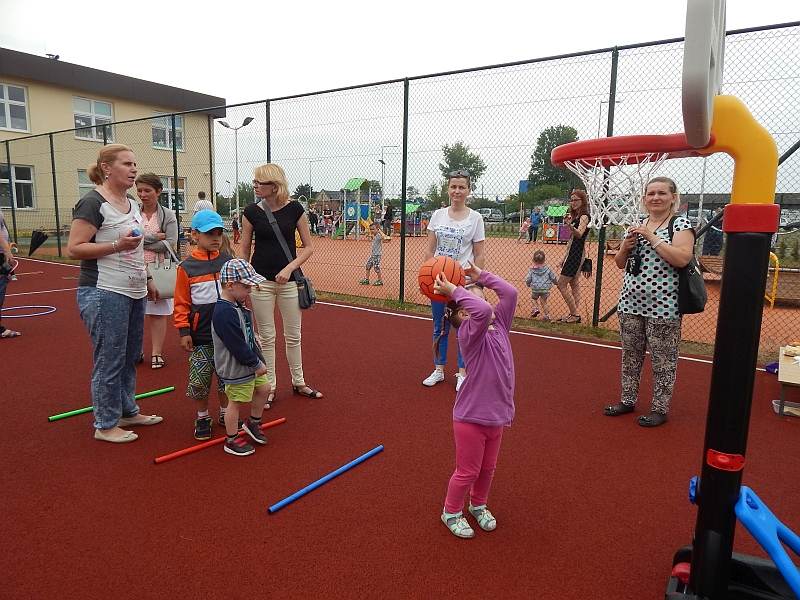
576	249
268	257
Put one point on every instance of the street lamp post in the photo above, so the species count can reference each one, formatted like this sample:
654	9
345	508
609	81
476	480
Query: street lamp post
247	121
310	161
383	172
600	113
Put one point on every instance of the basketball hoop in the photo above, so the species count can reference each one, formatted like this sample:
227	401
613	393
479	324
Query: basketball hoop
615	171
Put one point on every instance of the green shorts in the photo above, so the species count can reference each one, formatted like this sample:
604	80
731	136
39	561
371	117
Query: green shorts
243	392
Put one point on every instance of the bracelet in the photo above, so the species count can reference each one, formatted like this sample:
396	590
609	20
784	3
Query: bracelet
114	246
657	244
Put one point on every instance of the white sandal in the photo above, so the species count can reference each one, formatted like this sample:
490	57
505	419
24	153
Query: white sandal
486	520
458	525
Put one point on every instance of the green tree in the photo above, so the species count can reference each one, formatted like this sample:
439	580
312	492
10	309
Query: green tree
223	205
542	170
246	195
458	156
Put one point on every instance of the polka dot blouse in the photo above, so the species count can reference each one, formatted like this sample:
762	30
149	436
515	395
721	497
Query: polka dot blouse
654	291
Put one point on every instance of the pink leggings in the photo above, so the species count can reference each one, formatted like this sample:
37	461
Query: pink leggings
477	447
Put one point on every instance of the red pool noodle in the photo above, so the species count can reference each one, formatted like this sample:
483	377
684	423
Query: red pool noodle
192	449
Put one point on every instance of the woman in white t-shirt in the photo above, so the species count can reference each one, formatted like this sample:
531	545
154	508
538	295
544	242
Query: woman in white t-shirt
456	231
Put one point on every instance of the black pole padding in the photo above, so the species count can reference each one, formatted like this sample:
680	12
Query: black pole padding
732	379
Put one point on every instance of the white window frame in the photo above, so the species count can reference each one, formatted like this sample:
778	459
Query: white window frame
84	188
6	102
163	122
17	181
166	192
92	115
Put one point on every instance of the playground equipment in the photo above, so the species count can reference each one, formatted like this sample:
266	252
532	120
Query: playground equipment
615	170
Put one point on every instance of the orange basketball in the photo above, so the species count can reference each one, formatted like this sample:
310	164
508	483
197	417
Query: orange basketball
431	268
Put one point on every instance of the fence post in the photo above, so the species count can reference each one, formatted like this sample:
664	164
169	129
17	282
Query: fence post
211	190
269	139
105	136
55	193
601	235
404	180
175	200
11	191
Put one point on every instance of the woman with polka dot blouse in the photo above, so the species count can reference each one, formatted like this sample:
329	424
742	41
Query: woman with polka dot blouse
648	301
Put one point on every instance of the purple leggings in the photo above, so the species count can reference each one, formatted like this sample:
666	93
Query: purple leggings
477	447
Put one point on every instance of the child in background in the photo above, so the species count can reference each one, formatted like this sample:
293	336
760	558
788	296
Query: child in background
196	293
374	260
485	403
523	230
239	361
540	279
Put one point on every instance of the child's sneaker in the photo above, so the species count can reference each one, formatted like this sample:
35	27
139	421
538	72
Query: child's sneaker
486	520
202	428
238	446
434	378
254	431
364	282
458	525
378	282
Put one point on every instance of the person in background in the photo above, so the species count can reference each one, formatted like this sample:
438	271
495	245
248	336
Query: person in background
577	219
535	223
5	273
540	279
160	231
202	203
106	235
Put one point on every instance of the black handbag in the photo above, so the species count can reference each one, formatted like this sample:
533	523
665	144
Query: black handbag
306	295
586	267
692	294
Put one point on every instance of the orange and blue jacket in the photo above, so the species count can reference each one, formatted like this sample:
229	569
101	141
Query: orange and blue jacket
197	289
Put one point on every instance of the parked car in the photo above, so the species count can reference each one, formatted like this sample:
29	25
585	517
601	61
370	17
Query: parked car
693	216
513	217
492	215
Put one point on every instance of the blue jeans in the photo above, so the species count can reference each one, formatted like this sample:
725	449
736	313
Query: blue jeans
437	309
116	326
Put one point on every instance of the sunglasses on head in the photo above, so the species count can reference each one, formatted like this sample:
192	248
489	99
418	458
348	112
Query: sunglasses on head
459	173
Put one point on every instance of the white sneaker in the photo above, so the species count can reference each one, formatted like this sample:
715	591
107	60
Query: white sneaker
458	525
436	377
460	379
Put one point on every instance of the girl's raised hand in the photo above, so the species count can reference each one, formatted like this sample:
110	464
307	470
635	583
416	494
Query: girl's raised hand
442	286
472	272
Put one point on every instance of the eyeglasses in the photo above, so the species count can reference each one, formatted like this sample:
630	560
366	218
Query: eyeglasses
257	183
459	173
574	199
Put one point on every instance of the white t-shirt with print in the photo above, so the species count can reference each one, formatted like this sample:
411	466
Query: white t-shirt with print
455	238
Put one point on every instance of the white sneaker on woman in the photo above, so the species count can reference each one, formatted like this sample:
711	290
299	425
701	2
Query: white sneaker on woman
436	377
460	379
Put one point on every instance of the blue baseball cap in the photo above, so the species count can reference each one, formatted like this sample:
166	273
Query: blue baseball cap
206	220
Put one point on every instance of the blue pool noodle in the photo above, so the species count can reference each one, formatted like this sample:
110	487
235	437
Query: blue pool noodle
312	486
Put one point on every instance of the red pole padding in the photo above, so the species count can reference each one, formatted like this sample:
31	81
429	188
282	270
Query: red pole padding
192	449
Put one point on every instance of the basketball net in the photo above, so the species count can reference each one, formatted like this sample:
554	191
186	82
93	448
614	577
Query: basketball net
615	185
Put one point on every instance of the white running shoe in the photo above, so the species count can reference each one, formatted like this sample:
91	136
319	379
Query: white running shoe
460	379
436	377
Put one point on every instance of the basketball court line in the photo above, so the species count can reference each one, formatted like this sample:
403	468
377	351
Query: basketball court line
42	292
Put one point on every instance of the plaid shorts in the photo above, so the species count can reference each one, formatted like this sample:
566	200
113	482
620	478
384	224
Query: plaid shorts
374	262
201	368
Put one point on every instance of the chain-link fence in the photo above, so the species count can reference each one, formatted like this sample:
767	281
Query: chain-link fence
350	153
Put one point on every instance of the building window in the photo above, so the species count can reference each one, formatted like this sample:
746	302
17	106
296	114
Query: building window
162	133
85	184
90	116
166	194
22	194
13	108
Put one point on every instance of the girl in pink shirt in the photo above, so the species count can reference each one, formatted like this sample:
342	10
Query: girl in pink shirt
485	403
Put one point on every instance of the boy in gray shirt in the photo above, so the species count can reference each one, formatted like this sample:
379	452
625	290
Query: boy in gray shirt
374	261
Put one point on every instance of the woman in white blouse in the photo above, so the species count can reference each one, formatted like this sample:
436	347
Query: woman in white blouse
456	231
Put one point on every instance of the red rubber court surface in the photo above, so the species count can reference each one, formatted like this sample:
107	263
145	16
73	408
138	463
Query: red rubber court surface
585	503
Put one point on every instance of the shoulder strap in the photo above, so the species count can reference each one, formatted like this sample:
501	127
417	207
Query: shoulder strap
278	233
672	227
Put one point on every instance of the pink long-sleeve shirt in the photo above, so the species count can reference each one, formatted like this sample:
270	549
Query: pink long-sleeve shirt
487	395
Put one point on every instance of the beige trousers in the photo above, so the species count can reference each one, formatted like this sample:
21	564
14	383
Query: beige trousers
264	301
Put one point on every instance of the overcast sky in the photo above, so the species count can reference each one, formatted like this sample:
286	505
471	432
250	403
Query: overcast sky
248	50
